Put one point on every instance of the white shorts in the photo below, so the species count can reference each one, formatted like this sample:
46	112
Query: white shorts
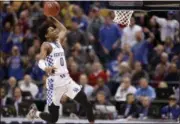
70	89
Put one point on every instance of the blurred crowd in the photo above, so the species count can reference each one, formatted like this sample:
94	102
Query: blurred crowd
133	65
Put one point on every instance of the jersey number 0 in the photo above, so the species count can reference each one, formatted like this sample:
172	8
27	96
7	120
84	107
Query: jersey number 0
61	61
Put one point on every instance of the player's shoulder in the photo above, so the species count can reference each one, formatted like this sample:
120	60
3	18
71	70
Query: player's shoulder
47	46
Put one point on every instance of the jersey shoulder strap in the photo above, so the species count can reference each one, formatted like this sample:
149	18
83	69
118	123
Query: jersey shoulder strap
58	43
53	44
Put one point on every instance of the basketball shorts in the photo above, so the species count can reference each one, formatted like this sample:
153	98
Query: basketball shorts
55	92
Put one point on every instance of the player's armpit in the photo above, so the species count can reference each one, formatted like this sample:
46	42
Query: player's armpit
45	50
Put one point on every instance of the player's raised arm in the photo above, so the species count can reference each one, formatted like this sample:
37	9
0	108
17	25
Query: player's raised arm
58	24
61	27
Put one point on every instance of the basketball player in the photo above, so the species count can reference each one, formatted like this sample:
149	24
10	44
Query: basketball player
59	83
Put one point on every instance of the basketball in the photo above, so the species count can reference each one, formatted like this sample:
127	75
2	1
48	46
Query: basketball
51	8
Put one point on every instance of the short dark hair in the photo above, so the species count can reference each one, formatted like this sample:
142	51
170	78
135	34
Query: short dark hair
42	31
129	94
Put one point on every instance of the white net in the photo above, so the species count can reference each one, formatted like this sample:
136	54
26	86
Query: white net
123	16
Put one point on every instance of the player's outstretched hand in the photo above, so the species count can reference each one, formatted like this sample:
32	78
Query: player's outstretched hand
50	70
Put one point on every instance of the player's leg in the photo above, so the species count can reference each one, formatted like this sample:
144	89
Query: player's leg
75	92
53	114
82	99
50	117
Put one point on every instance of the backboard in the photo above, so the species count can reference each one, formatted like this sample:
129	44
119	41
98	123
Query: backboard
144	5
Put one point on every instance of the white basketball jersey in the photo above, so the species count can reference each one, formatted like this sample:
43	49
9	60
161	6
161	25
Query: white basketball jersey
57	58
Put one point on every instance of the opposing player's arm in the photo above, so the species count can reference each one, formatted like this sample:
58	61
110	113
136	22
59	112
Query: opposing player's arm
61	27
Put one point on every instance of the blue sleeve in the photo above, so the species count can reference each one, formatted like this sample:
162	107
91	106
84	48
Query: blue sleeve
132	49
137	93
101	37
164	111
146	44
153	93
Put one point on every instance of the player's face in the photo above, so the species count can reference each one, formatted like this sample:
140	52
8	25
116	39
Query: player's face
52	33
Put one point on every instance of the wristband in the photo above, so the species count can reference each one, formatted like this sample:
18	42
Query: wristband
42	64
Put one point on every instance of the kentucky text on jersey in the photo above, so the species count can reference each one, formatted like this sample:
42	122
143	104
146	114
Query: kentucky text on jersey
59	54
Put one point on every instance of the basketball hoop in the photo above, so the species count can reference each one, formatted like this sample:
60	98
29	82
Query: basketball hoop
123	17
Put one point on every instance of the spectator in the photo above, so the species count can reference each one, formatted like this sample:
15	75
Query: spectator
28	85
104	112
172	110
4	37
68	11
173	75
168	27
80	55
10	86
156	58
42	89
5	100
145	90
16	37
164	61
81	19
138	73
10	15
123	71
124	89
101	87
145	108
76	35
74	72
124	56
162	67
95	24
83	80
2	68
154	28
36	45
15	64
24	21
159	74
109	37
37	74
141	49
130	109
97	72
129	33
168	45
101	99
176	92
17	96
29	60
